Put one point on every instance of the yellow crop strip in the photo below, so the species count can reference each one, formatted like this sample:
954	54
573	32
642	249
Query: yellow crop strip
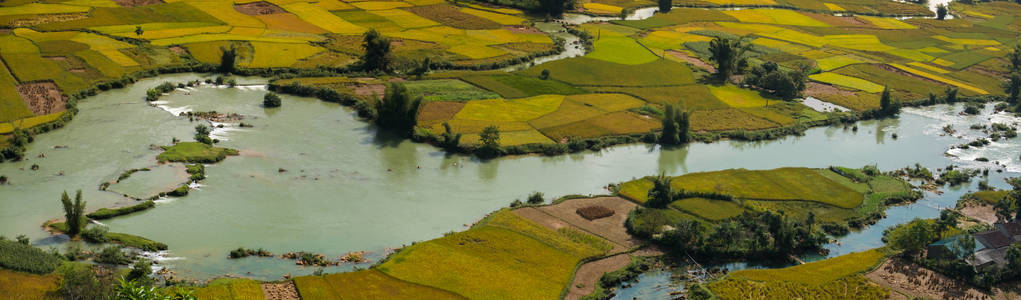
523	109
847	81
928	67
972	42
940	79
322	18
887	23
501	19
600	8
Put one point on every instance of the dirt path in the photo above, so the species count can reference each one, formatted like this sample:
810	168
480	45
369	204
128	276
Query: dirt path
691	60
280	291
587	277
915	281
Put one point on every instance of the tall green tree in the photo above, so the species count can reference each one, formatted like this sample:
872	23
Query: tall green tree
74	212
228	59
1013	87
728	56
886	105
676	124
490	137
661	194
377	55
398	110
555	8
913	238
450	140
1014	58
950	94
941	12
665	5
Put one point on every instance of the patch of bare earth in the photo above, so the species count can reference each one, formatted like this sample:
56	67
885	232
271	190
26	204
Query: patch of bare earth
178	50
588	274
258	8
610	213
42	98
693	61
43	19
915	281
984	213
132	3
816	89
522	29
280	291
370	89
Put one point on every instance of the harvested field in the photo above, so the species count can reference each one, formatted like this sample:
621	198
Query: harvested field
133	3
280	291
693	61
610	228
983	213
587	276
258	8
917	281
450	15
42	98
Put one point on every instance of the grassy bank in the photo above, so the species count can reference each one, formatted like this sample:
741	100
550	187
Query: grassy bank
106	213
194	152
834	278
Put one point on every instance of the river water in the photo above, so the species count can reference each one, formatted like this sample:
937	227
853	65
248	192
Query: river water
348	188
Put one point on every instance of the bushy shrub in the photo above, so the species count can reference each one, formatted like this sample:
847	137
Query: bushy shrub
536	198
26	258
113	255
271	100
95	234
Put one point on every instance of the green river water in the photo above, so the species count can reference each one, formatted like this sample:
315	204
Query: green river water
349	188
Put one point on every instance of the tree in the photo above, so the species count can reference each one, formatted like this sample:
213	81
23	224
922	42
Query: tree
202	134
886	105
912	238
727	54
665	5
554	8
228	58
271	99
398	110
1014	58
932	98
421	68
947	220
536	198
140	271
139	31
377	55
1004	209
544	75
490	137
1013	87
450	140
675	126
1014	256
661	194
74	213
941	12
951	94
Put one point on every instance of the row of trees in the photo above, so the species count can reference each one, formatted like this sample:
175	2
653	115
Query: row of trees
1013	84
786	84
15	150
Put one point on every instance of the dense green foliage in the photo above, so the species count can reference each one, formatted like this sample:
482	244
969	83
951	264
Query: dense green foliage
26	258
74	213
228	59
194	152
377	55
398	110
786	84
728	55
676	126
106	213
270	100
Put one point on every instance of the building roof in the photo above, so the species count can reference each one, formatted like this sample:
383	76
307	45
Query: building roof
948	243
997	256
1012	228
993	239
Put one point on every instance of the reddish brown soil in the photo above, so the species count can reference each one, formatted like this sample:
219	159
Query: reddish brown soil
983	213
610	228
362	89
587	277
915	281
280	291
131	3
42	98
522	29
178	50
258	8
438	111
816	89
693	61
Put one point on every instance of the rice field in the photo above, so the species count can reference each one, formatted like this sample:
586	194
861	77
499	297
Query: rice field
835	278
504	257
365	284
230	289
847	81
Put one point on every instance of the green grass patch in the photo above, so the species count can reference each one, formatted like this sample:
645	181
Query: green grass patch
230	288
517	86
194	152
965	59
988	197
621	50
820	272
713	210
847	81
135	241
371	284
448	90
25	258
588	71
689	97
106	213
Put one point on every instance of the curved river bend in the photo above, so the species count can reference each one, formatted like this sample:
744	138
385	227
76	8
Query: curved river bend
348	188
